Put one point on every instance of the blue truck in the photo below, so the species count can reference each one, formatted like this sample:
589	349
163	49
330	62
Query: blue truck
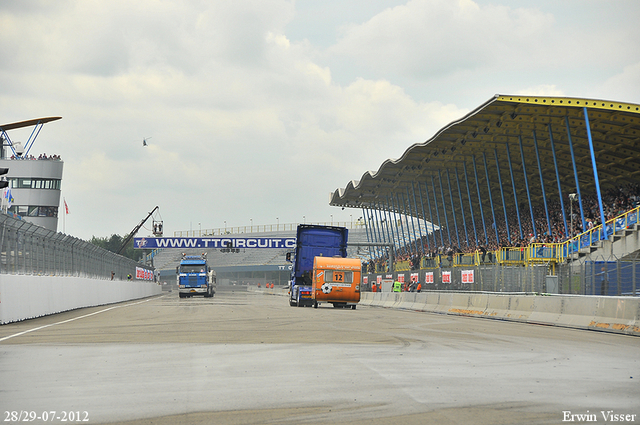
313	241
195	277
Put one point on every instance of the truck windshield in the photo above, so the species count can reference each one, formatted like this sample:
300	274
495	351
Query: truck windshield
192	268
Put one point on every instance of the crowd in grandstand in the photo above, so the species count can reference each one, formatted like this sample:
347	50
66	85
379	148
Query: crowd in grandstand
443	243
42	156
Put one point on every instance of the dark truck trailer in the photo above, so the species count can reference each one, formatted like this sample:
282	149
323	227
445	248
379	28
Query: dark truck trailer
313	241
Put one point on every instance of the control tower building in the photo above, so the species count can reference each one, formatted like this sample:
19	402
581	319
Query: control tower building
34	180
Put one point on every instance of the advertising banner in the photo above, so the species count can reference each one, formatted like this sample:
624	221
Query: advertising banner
143	274
446	276
467	276
211	242
428	277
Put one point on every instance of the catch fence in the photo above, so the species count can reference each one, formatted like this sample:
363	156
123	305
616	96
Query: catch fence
590	276
28	249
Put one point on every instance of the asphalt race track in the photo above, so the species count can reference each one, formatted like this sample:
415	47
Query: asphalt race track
247	358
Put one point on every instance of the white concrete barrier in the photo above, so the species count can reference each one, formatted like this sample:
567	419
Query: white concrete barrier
470	304
407	300
616	314
419	301
366	298
613	314
520	307
578	311
547	309
26	297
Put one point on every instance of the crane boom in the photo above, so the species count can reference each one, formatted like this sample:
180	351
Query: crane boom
135	230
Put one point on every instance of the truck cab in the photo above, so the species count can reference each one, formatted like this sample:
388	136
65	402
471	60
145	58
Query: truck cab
313	241
195	277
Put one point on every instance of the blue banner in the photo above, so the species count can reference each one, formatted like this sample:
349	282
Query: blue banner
211	242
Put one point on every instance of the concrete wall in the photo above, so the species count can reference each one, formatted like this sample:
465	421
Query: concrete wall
611	314
26	297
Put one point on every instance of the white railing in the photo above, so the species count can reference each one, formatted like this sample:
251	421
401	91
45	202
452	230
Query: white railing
263	228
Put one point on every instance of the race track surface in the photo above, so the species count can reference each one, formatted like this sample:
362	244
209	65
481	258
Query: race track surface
247	358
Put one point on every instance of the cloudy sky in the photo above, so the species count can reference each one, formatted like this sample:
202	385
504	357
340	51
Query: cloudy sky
258	109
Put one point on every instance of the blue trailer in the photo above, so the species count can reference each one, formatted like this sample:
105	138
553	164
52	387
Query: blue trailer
313	241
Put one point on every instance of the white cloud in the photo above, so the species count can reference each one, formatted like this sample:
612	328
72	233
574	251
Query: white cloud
248	124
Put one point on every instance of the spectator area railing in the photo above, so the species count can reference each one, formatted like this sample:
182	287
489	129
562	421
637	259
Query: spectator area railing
535	253
590	237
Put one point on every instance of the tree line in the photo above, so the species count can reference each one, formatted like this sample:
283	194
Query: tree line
114	242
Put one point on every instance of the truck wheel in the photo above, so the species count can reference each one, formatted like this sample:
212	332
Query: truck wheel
292	303
315	304
353	307
181	295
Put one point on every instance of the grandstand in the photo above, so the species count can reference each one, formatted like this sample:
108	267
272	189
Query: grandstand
249	265
524	180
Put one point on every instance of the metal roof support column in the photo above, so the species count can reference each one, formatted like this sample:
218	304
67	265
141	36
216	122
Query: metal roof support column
473	219
389	235
366	228
435	199
385	224
595	173
389	221
413	225
544	196
555	164
475	171
424	218
413	190
374	237
444	208
379	230
406	219
464	220
526	182
401	230
575	175
493	212
515	195
504	205
453	209
433	232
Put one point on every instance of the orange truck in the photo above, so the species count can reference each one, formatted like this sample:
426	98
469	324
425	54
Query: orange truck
337	281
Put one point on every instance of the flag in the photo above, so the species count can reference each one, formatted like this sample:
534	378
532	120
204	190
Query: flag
8	196
66	207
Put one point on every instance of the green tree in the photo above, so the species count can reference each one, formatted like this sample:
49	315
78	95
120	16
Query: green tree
114	242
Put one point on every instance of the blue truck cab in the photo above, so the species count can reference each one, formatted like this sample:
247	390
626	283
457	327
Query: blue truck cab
195	277
313	241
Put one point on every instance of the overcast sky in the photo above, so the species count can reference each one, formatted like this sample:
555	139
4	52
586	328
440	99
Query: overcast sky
258	109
